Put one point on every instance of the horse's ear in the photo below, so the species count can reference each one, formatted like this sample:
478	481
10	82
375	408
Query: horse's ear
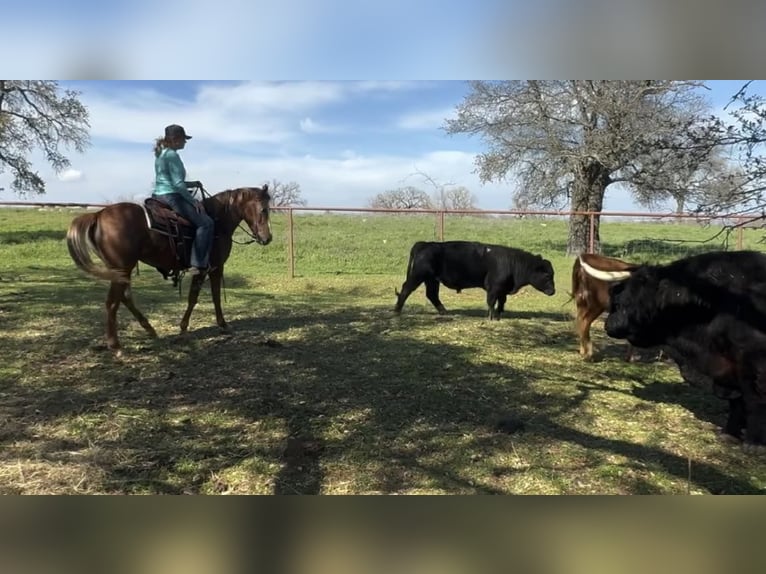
265	187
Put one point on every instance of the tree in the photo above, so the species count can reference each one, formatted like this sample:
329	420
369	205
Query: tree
285	194
35	114
714	180
567	141
459	197
743	139
448	195
402	198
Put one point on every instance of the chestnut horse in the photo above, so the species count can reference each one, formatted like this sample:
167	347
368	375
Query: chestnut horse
120	236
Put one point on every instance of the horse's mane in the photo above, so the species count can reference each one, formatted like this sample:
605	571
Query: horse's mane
235	196
238	194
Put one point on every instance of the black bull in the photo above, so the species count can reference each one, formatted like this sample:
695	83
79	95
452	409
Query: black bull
499	270
709	312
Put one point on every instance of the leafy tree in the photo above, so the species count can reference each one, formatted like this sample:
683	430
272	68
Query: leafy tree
36	114
568	141
402	198
285	194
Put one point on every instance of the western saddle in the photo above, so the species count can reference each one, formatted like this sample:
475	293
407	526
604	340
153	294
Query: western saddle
179	231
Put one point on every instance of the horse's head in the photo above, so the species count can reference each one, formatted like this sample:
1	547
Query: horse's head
254	206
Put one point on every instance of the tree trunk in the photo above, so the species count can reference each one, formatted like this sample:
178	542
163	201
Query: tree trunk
587	195
680	205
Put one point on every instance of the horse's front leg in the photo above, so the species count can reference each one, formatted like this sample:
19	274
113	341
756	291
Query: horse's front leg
216	277
194	290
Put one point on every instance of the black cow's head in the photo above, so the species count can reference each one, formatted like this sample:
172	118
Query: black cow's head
541	277
633	304
633	310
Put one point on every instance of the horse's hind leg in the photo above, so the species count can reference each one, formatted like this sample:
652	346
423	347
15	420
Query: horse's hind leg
194	290
127	299
113	299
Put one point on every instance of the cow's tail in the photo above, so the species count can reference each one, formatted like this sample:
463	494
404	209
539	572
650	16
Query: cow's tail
80	241
578	293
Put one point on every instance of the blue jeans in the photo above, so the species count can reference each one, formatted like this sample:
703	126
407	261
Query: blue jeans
203	237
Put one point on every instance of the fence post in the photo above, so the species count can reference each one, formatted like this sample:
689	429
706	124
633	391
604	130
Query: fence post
440	224
592	240
290	245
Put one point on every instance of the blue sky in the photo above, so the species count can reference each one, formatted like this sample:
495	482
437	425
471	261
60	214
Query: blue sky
342	141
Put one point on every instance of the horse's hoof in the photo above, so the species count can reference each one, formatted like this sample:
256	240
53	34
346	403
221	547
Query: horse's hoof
152	333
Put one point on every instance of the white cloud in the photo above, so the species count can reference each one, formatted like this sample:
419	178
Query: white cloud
231	114
426	120
69	175
309	126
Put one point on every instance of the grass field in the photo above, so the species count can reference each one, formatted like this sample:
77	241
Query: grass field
321	389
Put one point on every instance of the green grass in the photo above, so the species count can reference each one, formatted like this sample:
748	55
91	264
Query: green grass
320	388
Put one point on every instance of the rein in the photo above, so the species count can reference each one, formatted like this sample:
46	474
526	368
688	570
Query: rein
206	195
246	231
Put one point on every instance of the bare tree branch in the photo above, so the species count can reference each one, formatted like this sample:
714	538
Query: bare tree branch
286	194
402	198
36	114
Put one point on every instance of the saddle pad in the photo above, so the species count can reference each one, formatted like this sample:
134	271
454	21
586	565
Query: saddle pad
162	218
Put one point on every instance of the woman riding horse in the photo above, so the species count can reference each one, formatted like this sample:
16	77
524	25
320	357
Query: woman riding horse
120	235
171	188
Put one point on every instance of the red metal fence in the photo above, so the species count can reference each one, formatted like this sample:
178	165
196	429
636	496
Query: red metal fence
440	215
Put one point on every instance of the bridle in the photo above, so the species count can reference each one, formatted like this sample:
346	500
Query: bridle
253	237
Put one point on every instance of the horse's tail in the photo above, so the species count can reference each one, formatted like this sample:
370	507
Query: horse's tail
80	241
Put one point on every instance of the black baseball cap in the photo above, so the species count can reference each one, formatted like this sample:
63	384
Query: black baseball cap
175	131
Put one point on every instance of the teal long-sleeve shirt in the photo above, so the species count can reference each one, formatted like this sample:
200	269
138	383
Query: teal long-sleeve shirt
170	175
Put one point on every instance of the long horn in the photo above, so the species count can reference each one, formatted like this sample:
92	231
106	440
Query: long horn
609	276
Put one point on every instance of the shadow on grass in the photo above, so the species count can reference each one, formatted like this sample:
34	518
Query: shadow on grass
508	315
300	399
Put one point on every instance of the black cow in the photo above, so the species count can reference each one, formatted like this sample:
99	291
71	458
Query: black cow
709	312
458	265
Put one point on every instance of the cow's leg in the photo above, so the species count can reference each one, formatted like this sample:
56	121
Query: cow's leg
755	435
492	297
432	293
407	288
194	290
752	377
736	421
501	299
583	322
216	276
127	300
